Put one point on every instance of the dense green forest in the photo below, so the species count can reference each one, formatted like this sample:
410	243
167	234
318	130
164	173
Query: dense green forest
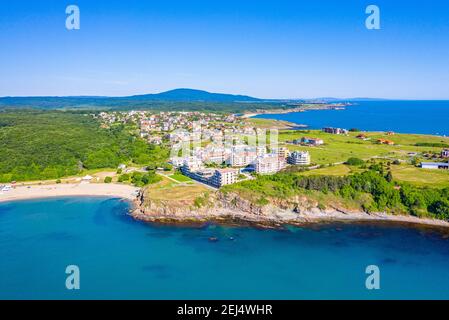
173	100
373	189
125	105
38	145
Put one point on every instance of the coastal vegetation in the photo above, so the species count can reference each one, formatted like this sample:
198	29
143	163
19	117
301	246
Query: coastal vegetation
347	171
353	161
177	193
339	148
123	104
37	145
372	190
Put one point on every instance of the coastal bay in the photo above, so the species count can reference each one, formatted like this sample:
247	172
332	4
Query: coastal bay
120	257
411	116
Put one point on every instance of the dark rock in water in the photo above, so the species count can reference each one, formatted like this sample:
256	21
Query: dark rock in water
213	239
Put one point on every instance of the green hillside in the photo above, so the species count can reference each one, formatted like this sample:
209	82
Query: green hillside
50	145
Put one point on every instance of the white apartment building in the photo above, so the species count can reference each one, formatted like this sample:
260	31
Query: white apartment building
269	163
243	155
261	150
191	164
299	158
224	177
282	152
177	161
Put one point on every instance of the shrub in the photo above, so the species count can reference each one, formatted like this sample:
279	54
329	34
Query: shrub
107	180
124	178
355	161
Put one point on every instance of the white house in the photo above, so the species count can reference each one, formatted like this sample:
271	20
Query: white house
299	158
435	165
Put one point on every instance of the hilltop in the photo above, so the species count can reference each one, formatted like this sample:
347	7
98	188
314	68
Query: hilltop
191	99
190	95
182	99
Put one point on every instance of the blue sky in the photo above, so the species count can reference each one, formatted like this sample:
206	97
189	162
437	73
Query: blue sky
268	49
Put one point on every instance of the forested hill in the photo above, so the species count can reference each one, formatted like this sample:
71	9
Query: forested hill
194	95
50	145
176	100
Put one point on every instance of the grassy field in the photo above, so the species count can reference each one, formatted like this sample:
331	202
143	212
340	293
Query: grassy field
421	177
338	148
180	177
403	172
269	123
167	190
337	170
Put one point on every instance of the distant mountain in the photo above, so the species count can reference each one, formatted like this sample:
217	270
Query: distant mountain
189	95
177	99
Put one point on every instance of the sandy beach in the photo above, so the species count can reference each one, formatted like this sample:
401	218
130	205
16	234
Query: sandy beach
61	190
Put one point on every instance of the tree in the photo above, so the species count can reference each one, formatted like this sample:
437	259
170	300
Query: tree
440	209
355	161
124	178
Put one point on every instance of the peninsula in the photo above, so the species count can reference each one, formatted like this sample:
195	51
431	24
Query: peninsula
197	166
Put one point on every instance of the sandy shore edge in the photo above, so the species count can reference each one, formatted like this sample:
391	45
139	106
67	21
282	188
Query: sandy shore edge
70	190
129	193
309	219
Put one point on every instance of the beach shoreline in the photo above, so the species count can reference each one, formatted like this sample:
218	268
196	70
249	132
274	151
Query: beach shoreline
237	220
70	190
239	212
217	215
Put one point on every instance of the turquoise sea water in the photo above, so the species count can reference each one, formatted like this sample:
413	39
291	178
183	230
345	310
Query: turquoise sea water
119	257
427	117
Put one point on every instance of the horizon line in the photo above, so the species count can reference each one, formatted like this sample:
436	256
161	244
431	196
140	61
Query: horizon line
236	94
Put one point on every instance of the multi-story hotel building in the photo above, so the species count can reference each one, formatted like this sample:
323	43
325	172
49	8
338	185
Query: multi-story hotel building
269	163
299	158
224	177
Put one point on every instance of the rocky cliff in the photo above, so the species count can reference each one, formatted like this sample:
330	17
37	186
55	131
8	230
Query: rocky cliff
232	207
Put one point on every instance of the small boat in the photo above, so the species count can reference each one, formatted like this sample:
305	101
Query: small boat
213	239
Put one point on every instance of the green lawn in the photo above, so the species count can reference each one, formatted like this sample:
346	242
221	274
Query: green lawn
268	123
167	190
338	148
421	177
337	170
403	172
181	178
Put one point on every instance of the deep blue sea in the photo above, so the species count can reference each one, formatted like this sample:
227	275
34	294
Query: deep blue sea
119	257
427	117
